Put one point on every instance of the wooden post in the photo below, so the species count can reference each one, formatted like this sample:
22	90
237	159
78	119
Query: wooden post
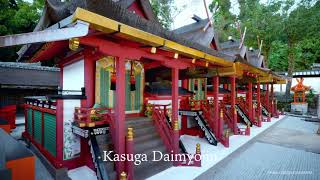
233	104
89	78
215	82
249	100
174	121
259	104
129	150
184	119
120	112
268	102
272	101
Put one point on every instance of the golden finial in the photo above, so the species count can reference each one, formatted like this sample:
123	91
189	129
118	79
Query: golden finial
198	148
130	134
123	176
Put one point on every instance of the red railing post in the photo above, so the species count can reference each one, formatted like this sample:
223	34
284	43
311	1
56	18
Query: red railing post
129	151
197	158
268	103
259	114
174	109
215	81
233	104
249	100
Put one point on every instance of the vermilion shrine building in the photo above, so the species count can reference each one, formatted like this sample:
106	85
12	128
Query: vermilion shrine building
118	65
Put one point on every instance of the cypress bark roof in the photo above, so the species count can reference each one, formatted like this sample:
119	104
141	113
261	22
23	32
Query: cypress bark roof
26	74
56	11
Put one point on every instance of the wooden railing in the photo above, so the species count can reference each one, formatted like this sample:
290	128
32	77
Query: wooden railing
90	117
159	113
227	114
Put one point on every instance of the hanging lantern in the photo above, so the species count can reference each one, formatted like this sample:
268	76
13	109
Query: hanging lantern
113	78
113	81
203	85
196	85
132	79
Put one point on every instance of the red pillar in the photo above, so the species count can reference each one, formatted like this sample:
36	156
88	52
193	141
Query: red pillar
119	123
215	82
259	104
89	78
59	132
184	119
175	99
272	102
267	102
233	104
89	84
250	105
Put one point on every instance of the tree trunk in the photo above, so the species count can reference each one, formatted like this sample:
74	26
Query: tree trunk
290	67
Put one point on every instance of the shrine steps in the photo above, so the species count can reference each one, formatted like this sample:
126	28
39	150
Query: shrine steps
146	141
105	144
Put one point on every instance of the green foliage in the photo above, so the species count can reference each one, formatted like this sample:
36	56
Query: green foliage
164	10
310	98
17	16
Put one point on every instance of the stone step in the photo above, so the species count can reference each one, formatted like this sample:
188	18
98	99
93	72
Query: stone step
151	168
146	137
144	131
144	146
112	175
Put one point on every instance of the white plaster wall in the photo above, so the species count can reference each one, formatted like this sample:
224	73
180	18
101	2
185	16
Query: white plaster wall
73	76
73	79
313	82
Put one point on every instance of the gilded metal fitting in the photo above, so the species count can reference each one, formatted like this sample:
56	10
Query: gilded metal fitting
123	176
221	113
153	50
74	43
176	125
92	124
130	134
198	148
227	133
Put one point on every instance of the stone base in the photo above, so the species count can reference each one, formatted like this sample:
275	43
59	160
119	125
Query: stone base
299	108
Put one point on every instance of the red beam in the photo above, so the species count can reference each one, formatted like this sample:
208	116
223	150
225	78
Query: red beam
114	49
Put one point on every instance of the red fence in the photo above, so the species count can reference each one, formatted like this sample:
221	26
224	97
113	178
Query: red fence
9	113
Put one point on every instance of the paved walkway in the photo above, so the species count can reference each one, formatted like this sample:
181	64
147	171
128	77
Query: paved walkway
212	155
289	150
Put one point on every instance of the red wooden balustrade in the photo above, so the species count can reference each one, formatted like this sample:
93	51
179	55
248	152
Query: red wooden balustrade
90	117
159	113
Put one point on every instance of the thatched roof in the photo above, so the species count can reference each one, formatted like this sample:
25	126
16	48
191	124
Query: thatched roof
56	11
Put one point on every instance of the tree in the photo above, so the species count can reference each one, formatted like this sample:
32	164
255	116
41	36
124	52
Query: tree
17	16
164	10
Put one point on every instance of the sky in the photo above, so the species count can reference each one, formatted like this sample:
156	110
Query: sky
197	7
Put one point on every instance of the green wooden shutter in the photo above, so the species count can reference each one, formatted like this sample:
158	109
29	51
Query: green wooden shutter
138	103
29	115
50	133
128	92
37	126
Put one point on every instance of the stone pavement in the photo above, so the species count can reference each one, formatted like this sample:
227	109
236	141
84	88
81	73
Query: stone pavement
289	150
